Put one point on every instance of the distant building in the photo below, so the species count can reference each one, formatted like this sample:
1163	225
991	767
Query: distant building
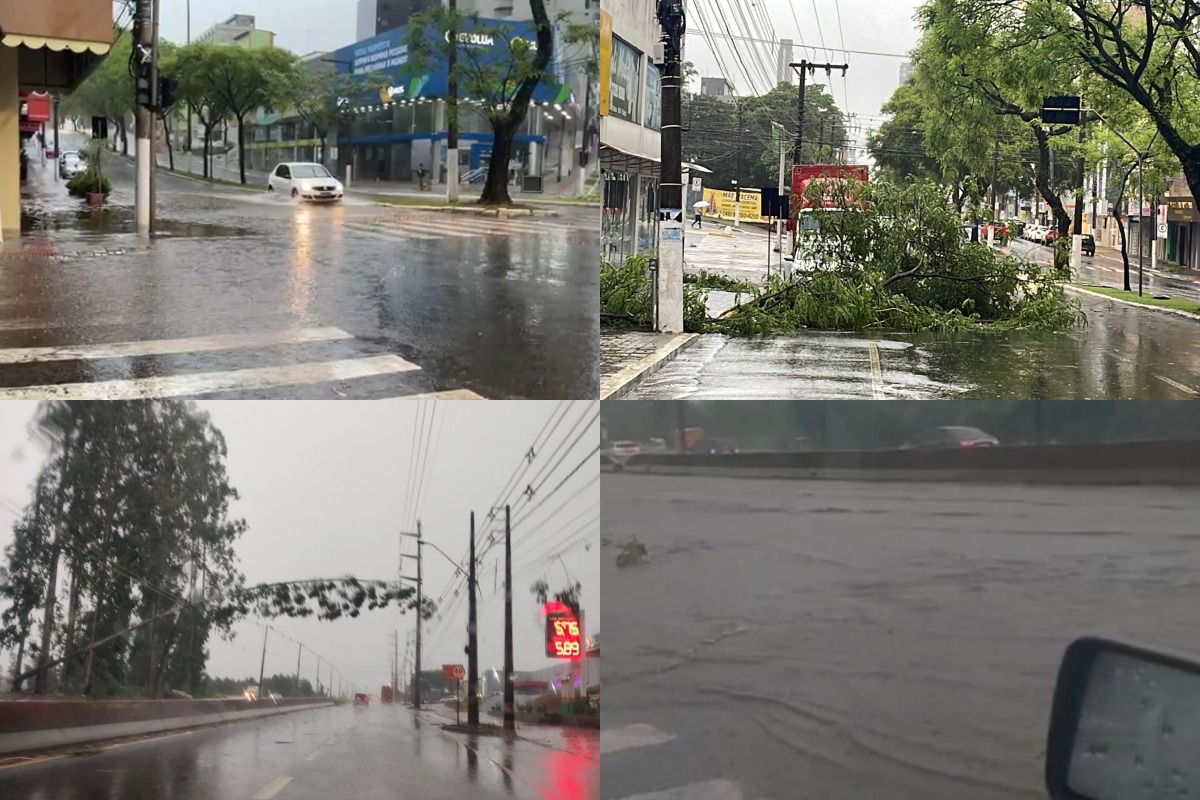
784	73
906	71
238	30
717	87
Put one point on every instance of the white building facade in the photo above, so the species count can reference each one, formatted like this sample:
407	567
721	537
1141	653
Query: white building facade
630	124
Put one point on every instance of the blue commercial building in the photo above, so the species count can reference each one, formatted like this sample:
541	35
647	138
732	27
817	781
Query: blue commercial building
402	127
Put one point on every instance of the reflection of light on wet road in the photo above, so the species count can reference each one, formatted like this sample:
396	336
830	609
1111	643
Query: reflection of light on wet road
301	284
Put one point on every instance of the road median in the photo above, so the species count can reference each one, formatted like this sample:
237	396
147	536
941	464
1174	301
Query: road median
32	725
1159	463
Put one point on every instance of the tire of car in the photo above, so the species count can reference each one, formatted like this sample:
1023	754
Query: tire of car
295	192
270	188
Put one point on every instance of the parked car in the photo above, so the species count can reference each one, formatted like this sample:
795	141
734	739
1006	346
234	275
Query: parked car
1051	236
305	181
361	699
951	437
625	449
1088	243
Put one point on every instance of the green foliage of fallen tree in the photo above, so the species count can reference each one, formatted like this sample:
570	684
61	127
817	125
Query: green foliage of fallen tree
626	297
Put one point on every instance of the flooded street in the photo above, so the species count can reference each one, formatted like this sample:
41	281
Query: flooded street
1123	353
839	641
242	294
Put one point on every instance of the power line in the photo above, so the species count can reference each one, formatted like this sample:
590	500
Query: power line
905	56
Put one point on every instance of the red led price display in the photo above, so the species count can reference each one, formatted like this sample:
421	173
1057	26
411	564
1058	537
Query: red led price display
563	639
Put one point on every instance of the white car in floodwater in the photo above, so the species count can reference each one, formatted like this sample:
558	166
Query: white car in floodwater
305	181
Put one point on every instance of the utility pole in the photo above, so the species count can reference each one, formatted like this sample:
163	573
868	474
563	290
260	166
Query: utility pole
1141	225
155	115
395	662
1079	179
510	712
56	126
452	108
737	185
188	145
317	688
804	68
417	664
143	48
263	664
472	643
670	194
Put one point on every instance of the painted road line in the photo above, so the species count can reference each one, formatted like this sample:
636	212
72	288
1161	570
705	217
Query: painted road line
200	383
709	790
158	347
876	372
390	233
313	756
1177	384
613	740
273	788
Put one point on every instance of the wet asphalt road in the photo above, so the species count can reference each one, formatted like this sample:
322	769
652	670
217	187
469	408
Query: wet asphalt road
1123	353
1107	269
379	752
839	641
250	295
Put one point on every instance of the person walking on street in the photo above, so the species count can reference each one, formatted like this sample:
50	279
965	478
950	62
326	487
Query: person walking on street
697	223
421	176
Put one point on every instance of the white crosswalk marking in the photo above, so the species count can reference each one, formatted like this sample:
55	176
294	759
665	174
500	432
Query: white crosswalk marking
158	347
242	379
613	740
304	362
441	227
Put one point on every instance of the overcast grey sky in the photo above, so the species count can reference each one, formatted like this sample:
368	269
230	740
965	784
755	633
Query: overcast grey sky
301	26
324	492
877	26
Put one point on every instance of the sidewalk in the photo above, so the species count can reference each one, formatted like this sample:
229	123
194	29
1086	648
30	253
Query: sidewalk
226	168
582	742
628	357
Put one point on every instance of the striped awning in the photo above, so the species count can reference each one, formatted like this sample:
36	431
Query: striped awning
57	45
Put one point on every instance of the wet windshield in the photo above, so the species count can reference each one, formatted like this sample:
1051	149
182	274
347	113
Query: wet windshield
310	171
860	620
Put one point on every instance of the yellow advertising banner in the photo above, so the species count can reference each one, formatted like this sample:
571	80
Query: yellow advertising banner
723	204
605	59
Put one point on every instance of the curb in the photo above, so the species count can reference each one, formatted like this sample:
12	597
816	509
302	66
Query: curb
619	384
1175	311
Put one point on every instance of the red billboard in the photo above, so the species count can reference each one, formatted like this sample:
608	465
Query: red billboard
805	175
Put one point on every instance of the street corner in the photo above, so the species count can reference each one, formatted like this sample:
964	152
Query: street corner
629	357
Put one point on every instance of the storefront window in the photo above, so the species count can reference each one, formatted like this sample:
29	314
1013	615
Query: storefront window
617	223
648	217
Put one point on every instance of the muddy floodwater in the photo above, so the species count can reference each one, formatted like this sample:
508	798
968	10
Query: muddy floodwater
842	641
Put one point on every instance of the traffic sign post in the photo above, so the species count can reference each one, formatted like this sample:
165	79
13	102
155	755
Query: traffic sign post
455	672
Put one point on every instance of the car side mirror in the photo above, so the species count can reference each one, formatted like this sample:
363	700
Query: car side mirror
1124	724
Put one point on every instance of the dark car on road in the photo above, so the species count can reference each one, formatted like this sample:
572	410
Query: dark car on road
362	700
1088	243
950	438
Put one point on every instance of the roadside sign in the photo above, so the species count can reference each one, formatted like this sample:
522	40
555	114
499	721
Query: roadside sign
696	183
564	637
1162	230
453	672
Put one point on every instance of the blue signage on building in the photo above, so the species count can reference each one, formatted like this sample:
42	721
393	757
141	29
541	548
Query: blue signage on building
483	42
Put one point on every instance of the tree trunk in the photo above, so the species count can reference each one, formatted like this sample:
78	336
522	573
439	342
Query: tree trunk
495	188
162	657
87	681
241	149
16	683
72	610
1043	181
170	147
1121	224
325	154
41	682
207	145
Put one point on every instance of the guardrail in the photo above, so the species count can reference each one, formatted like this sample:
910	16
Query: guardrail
1163	463
28	725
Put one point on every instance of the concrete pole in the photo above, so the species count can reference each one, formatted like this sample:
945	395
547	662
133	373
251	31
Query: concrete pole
472	646
10	146
510	711
671	239
452	178
417	664
263	664
143	120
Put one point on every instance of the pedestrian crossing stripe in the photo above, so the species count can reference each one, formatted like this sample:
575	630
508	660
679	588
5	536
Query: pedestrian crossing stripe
708	790
231	380
159	347
432	230
389	233
613	740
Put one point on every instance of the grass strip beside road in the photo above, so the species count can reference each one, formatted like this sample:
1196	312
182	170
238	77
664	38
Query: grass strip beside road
1188	306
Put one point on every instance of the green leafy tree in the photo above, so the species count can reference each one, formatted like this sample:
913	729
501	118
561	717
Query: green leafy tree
323	97
898	145
192	66
107	92
503	87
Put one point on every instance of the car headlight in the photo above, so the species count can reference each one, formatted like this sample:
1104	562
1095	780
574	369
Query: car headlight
306	186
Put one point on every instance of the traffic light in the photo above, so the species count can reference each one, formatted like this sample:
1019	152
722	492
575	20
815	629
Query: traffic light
145	94
168	93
